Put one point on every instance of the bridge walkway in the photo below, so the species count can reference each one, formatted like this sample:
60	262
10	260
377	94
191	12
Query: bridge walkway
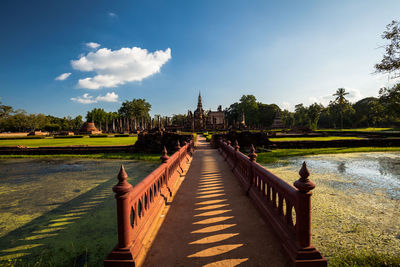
211	222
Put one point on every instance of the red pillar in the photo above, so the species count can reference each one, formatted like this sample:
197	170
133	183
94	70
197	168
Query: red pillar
306	254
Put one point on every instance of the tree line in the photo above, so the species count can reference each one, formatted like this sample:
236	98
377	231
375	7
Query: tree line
131	115
20	121
381	111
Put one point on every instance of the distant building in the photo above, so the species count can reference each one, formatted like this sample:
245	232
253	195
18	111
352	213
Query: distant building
200	120
277	123
89	128
216	119
199	116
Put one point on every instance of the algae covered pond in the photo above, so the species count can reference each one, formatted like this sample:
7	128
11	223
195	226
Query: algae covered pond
60	212
355	205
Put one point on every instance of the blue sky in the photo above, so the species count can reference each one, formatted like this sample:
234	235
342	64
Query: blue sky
283	52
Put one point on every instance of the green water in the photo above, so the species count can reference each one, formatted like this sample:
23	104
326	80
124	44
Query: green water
60	212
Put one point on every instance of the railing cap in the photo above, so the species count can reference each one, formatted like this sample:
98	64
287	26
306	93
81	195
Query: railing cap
304	184
164	156
252	155
236	145
178	145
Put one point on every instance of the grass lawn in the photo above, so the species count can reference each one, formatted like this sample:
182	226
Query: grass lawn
324	138
60	212
370	129
98	141
275	155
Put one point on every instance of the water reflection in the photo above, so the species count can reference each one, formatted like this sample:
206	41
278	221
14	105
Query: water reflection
341	167
366	171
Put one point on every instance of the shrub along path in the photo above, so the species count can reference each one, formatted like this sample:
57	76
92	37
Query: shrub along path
211	221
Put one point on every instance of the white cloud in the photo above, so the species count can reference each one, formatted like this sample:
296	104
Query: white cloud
112	14
286	105
118	67
63	76
85	99
354	94
93	45
88	99
109	97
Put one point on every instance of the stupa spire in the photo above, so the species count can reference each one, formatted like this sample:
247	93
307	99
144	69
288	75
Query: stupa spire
199	103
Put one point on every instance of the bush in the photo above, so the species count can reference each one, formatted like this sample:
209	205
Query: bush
68	136
121	135
98	135
23	137
52	127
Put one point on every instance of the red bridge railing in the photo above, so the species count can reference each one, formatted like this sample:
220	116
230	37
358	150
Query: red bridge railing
139	207
277	201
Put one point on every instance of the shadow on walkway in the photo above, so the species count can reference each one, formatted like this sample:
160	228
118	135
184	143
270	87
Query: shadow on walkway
212	223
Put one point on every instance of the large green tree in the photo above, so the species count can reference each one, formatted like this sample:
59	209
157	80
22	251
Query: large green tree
390	99
266	114
369	112
313	113
300	115
178	119
5	110
249	107
391	59
97	115
137	108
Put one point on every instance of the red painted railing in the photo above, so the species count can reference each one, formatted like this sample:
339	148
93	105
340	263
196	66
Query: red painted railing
139	207
277	201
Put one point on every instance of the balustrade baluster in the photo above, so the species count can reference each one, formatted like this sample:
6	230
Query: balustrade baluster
273	197
289	219
280	203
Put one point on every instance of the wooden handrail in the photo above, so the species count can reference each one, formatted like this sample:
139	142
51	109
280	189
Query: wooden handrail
138	207
277	200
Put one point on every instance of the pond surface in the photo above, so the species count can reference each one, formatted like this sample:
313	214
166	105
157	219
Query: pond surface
364	171
355	204
31	187
30	170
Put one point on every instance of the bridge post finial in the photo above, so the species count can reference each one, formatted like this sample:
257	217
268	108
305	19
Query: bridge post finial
252	155
304	184
236	145
178	145
164	156
122	187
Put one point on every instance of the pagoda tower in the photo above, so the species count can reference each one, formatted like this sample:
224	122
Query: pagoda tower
199	115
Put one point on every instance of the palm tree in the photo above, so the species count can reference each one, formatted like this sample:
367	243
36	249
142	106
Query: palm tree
341	100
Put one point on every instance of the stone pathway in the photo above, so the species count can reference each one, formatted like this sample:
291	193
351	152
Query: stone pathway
211	222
